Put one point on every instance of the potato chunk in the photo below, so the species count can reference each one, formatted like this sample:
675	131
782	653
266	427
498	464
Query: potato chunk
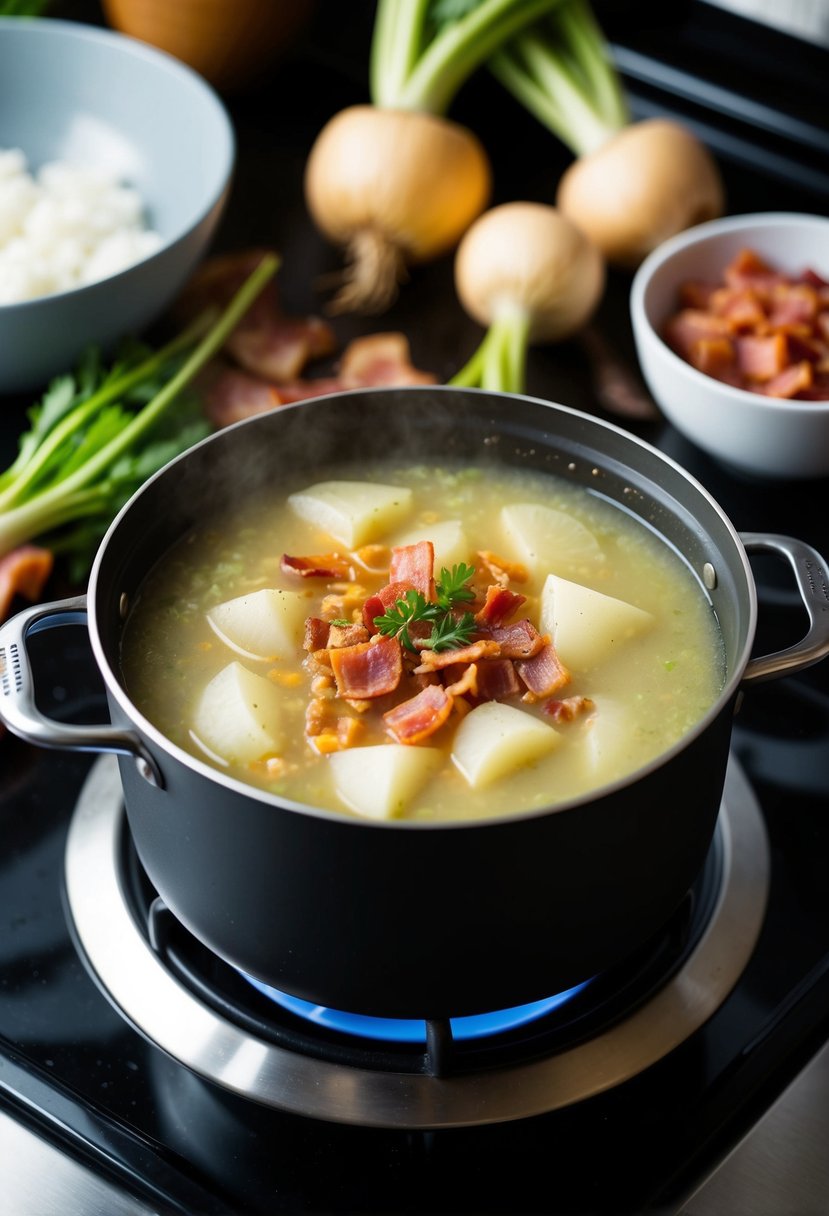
587	626
545	539
448	538
608	741
238	716
494	740
381	781
266	624
352	512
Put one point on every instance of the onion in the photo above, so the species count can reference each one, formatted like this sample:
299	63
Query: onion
649	182
394	187
530	275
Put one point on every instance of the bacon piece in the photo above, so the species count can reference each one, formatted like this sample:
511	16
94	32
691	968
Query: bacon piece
499	604
379	603
762	358
569	708
544	673
418	718
696	293
518	640
23	572
793	303
367	670
461	679
230	395
793	380
501	570
412	566
741	307
324	565
434	660
347	635
497	680
715	357
380	359
689	326
316	634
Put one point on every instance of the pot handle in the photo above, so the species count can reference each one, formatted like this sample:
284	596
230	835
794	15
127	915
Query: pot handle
813	584
17	693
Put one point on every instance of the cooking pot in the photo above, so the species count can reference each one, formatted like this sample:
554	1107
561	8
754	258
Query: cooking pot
419	919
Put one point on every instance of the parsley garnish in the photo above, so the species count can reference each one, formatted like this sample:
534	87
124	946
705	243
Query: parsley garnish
448	632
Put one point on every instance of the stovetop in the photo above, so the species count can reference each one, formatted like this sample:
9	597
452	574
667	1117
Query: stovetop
72	1067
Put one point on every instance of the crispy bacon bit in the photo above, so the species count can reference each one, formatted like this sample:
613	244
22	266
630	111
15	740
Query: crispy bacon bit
418	718
544	673
347	635
464	679
321	565
501	570
412	566
569	709
377	604
518	640
316	634
23	571
499	604
762	330
369	669
497	680
434	660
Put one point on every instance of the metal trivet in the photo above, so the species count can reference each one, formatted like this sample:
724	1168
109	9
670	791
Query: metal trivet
200	1036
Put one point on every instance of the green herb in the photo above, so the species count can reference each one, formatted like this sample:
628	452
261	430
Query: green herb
23	8
342	622
448	632
97	435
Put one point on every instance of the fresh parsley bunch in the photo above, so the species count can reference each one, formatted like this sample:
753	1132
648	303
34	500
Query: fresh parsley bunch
448	631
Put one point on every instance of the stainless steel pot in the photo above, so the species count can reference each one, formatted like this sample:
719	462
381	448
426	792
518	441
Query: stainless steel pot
418	920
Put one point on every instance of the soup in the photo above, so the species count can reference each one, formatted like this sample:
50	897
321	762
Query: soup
425	643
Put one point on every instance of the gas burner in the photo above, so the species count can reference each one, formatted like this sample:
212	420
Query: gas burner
210	1018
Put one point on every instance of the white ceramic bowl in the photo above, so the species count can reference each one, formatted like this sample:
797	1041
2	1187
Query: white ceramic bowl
748	431
70	91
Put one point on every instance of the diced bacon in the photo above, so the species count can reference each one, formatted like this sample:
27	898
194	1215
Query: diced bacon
544	673
696	293
380	359
518	640
461	679
793	303
740	306
789	383
316	634
501	570
761	358
497	680
413	566
690	325
434	660
499	604
347	635
814	279
747	267
231	395
379	603
568	709
320	565
417	719
23	572
715	357
369	669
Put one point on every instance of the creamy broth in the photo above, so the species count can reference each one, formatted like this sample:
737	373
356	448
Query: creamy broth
634	690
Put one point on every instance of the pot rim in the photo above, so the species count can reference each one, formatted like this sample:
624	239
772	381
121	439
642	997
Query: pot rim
160	742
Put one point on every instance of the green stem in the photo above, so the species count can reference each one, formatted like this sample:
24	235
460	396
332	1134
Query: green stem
500	362
396	43
460	48
20	479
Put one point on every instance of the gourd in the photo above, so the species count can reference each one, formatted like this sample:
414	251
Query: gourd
546	539
381	781
237	717
586	625
267	624
495	740
352	512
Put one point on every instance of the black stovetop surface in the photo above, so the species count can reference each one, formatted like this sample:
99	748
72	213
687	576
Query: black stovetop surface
71	1066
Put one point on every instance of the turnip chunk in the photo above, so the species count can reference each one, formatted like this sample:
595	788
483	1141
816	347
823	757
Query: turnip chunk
266	624
545	539
585	625
494	740
448	538
352	512
606	740
238	716
381	781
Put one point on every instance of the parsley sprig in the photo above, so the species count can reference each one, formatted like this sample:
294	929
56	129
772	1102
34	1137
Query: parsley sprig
448	631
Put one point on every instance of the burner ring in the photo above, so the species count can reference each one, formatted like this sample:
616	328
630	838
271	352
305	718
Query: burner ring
167	1013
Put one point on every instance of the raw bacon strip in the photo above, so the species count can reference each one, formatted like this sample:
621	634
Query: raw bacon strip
433	660
230	395
420	717
23	572
369	669
377	359
519	640
321	565
499	604
412	566
568	709
544	673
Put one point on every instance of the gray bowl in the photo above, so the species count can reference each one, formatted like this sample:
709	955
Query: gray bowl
90	96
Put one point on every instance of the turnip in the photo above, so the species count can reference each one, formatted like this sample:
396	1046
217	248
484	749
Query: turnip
396	182
530	275
632	185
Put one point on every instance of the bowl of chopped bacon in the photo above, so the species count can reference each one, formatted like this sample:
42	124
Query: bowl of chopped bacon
731	323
